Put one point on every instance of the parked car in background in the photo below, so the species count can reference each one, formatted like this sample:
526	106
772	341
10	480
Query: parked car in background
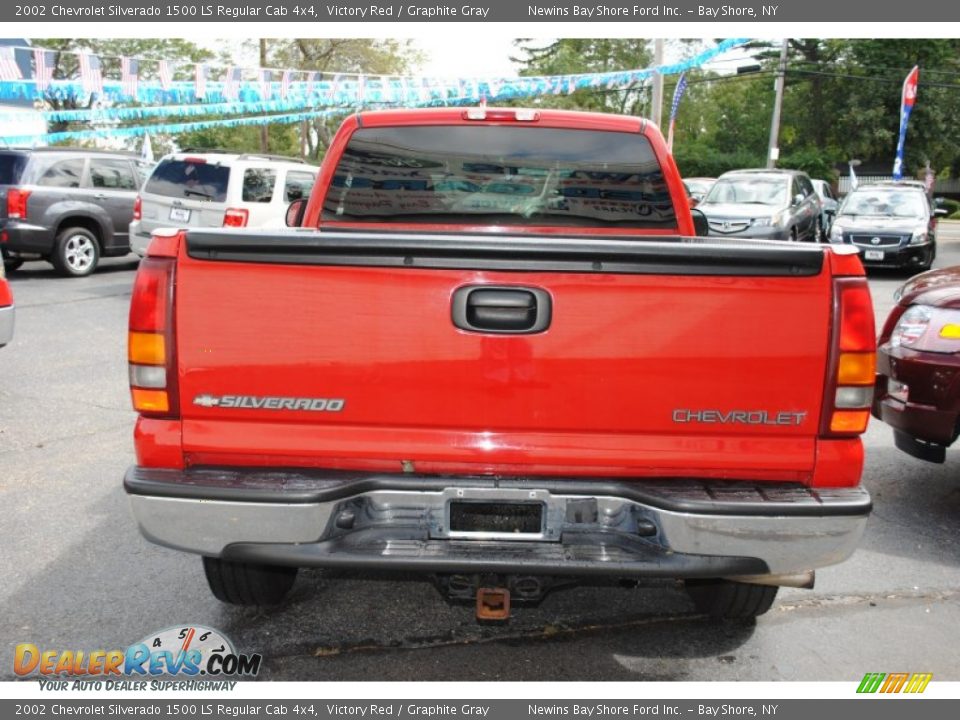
217	189
918	363
771	204
68	206
698	188
6	309
893	224
828	204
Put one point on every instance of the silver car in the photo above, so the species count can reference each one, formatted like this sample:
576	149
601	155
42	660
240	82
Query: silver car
767	204
829	203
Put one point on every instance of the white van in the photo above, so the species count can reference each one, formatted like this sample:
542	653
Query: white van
212	189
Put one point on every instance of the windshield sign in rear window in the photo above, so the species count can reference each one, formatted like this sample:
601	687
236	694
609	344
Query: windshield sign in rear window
500	175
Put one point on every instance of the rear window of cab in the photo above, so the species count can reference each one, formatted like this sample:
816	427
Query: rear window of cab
504	175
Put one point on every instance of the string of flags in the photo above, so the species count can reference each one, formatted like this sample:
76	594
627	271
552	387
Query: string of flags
297	95
211	82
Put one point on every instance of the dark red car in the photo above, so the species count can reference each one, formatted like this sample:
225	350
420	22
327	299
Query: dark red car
918	365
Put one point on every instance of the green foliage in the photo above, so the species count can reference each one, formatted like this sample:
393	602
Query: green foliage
583	55
813	162
701	160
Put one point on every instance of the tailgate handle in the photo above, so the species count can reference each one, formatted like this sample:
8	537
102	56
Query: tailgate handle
505	310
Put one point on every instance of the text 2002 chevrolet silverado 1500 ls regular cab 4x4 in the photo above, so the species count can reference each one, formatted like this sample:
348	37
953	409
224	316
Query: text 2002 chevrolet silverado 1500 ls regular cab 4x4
502	359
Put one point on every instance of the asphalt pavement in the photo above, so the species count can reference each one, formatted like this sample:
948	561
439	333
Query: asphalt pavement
76	573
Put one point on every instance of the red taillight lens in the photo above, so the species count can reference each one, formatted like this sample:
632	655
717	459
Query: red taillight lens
849	385
857	333
17	203
236	217
151	349
138	208
151	295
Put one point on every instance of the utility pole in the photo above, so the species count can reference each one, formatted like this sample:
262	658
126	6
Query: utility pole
264	138
657	101
773	151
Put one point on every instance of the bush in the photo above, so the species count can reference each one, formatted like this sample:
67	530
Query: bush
700	161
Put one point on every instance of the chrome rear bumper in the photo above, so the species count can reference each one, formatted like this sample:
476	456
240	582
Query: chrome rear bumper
626	529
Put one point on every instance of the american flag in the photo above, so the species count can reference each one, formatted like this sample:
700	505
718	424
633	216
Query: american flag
9	70
266	83
426	91
44	61
312	79
386	89
285	81
129	76
231	84
166	74
91	73
674	106
200	80
334	87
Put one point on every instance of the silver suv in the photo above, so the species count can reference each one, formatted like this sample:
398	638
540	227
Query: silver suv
68	206
769	204
193	189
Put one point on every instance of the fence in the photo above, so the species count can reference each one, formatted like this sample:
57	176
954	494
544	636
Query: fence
949	186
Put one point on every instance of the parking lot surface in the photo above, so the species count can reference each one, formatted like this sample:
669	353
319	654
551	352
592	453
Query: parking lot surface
77	574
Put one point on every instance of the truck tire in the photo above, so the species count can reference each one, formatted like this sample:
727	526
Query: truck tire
76	252
240	583
729	599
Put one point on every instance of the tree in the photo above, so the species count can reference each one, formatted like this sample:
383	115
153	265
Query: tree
329	55
579	55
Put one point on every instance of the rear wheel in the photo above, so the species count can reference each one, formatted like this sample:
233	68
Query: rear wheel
730	599
76	252
240	583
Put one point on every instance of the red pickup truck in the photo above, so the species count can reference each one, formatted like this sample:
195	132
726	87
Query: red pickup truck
495	352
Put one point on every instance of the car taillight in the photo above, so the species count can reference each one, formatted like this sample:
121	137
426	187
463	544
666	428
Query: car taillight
138	208
235	217
853	361
17	203
151	348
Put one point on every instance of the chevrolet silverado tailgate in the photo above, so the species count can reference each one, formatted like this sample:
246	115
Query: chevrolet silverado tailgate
657	357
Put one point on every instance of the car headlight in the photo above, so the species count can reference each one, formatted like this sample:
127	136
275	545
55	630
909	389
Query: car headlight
836	233
929	329
919	237
762	222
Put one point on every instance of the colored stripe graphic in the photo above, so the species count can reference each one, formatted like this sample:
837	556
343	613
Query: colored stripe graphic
891	683
894	682
918	682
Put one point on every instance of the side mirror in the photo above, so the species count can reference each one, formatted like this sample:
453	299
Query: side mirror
798	198
700	225
295	212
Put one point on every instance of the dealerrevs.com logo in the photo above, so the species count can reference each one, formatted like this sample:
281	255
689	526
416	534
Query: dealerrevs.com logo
184	652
